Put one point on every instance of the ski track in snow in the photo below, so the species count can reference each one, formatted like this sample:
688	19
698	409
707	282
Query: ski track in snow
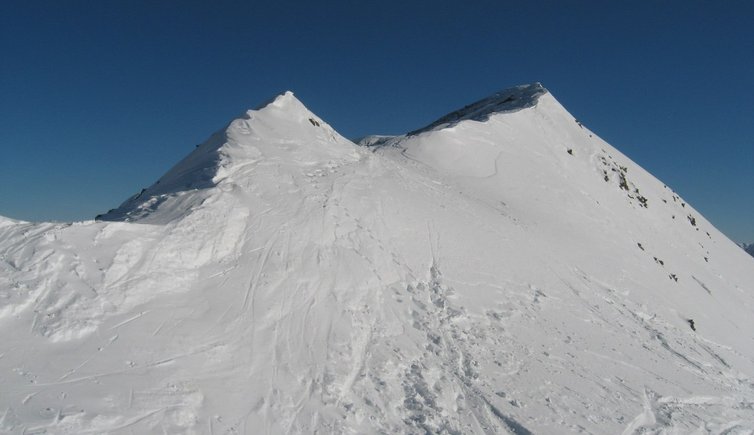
493	273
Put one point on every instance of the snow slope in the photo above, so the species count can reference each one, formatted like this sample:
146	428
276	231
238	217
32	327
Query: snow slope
502	270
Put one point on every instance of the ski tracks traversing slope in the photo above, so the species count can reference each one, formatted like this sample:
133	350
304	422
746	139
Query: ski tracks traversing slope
576	396
356	308
394	383
289	303
661	357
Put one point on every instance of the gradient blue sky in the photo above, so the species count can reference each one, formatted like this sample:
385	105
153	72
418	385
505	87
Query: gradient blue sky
99	98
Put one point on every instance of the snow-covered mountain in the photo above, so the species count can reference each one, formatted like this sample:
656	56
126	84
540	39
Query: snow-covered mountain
502	270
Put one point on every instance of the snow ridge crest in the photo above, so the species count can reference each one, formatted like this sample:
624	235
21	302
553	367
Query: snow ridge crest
508	100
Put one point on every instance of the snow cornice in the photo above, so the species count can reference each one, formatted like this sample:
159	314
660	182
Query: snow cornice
508	100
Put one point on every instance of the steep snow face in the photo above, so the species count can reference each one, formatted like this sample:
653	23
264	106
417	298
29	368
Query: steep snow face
502	270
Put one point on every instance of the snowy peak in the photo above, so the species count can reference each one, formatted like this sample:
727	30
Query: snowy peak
284	118
282	129
508	100
285	101
284	106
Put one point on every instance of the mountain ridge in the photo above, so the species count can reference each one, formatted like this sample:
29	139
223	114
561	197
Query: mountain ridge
517	275
507	100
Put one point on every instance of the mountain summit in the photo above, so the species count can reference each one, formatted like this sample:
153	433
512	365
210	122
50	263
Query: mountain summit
282	124
502	270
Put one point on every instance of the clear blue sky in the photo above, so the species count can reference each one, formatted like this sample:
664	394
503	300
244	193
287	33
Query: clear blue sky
99	98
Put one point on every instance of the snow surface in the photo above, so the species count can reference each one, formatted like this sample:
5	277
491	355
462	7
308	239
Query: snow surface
502	270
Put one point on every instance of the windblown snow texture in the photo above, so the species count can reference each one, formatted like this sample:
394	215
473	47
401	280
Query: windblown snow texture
502	270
